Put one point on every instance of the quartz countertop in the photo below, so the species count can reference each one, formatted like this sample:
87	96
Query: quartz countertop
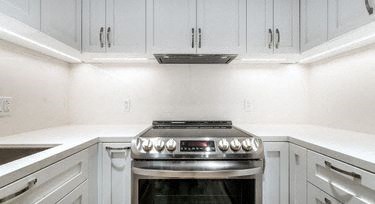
351	147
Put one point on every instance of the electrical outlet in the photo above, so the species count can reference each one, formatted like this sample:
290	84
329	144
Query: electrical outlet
247	106
127	105
5	103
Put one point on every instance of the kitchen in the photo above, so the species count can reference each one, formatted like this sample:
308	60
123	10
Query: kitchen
84	83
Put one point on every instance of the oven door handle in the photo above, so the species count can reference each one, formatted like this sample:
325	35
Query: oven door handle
170	174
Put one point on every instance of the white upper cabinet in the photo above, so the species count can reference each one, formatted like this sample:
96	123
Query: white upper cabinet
272	26
314	23
62	21
26	11
259	26
346	15
221	26
174	26
126	26
93	26
286	26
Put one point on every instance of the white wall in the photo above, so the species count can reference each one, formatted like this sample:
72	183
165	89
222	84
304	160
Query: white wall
277	92
39	87
342	91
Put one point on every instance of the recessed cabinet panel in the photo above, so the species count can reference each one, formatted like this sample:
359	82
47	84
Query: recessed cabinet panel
221	26
62	21
314	23
93	26
26	11
174	26
126	26
286	26
346	15
297	174
259	26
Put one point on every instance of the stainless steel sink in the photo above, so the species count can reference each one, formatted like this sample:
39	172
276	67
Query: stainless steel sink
12	153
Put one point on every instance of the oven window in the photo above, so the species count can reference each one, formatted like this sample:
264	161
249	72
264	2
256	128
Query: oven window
194	191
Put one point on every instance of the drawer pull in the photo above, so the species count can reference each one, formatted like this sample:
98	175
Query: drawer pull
352	174
370	9
327	201
30	184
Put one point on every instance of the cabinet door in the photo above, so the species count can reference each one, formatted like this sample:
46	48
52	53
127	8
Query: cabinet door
93	25
126	26
297	174
116	173
286	26
276	175
260	26
221	26
62	20
345	15
314	23
26	11
78	196
174	26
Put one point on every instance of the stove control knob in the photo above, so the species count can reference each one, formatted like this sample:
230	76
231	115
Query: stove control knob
235	145
223	145
159	145
256	143
247	145
171	145
147	145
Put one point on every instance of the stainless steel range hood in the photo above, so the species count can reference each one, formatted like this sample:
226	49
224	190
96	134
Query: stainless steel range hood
194	58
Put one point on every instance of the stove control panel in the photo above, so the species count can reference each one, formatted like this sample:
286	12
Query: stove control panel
197	146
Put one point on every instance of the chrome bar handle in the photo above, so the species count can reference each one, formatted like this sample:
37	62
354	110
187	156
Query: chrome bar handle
109	44
370	9
192	37
270	43
200	38
352	174
278	38
117	148
30	184
101	32
327	201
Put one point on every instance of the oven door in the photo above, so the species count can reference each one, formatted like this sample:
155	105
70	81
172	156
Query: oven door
197	182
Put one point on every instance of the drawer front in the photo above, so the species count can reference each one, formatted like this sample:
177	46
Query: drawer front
50	184
317	196
344	182
78	196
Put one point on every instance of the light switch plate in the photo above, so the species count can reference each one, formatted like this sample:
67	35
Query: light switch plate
247	106
127	105
5	103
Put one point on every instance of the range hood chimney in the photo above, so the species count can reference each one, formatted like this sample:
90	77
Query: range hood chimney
194	58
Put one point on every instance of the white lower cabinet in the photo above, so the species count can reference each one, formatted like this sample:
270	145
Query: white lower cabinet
317	196
297	174
116	173
276	175
78	196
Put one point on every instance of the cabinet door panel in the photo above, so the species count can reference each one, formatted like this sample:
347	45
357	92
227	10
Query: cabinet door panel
116	178
259	26
126	20
223	26
26	11
66	29
345	15
276	175
286	26
173	21
314	23
297	174
93	21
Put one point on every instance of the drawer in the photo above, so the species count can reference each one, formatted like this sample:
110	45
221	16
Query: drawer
50	184
317	196
78	196
344	182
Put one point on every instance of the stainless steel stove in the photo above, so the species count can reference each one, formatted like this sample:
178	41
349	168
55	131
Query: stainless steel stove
197	162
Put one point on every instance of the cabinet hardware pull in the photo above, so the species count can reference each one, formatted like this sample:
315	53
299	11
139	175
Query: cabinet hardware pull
278	38
101	37
109	37
327	201
271	38
30	184
352	174
370	9
200	38
192	37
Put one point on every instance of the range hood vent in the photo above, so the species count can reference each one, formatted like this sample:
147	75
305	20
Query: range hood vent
194	58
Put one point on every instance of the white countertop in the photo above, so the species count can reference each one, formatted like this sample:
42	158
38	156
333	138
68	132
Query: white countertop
354	148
